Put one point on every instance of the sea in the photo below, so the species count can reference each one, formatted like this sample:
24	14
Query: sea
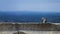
29	16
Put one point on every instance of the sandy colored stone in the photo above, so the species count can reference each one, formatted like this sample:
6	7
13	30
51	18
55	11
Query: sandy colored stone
19	33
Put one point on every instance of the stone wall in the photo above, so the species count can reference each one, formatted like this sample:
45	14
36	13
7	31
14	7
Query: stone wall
38	27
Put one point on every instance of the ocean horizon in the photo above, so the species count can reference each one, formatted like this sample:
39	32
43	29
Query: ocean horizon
29	16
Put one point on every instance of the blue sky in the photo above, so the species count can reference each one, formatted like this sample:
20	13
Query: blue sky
29	5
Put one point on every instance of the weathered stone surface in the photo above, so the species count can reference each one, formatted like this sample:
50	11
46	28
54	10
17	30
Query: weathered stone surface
38	27
19	33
